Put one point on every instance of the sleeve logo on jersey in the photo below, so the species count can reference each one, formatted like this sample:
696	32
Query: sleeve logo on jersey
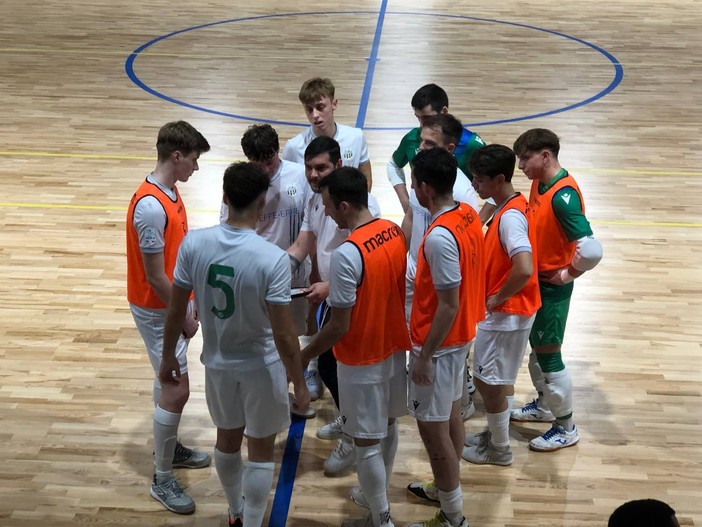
566	197
291	190
348	154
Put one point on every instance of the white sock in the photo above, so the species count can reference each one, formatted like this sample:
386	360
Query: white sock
559	396
452	504
388	446
537	379
230	469
165	439
258	480
371	476
510	402
498	424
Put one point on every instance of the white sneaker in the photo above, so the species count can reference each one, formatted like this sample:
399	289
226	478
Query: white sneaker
488	454
477	439
555	439
532	412
331	430
342	459
467	410
440	520
314	384
356	496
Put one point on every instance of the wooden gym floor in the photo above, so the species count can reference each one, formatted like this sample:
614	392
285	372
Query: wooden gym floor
77	138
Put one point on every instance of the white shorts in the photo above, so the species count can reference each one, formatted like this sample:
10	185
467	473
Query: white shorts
498	355
409	295
372	395
434	402
150	323
256	399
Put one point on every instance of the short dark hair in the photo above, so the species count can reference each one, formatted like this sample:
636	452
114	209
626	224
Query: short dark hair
243	183
323	145
260	142
179	136
430	95
347	184
642	513
451	127
536	140
316	89
437	168
491	161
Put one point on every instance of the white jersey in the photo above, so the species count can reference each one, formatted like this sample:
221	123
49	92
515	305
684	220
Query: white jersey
421	218
354	149
234	273
286	199
329	235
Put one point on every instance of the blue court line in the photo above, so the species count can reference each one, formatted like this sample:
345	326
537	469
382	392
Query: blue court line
286	477
618	69
365	96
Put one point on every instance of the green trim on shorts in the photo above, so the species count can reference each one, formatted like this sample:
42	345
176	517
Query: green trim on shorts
550	323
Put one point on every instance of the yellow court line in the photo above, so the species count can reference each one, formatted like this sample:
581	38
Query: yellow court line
94	156
575	170
212	211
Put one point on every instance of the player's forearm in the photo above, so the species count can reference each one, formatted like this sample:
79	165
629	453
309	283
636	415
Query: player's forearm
396	174
161	286
441	325
402	195
175	318
407	226
367	170
588	253
288	347
518	278
329	335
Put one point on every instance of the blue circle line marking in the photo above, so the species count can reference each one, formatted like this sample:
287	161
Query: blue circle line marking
365	95
618	69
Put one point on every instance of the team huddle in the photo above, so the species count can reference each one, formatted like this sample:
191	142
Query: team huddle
382	316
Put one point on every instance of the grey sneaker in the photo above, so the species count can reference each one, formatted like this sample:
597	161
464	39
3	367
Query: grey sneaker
172	496
477	439
184	457
488	454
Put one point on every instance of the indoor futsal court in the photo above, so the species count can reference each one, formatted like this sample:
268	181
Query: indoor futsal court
85	86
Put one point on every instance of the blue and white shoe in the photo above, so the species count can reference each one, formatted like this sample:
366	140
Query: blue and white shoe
555	439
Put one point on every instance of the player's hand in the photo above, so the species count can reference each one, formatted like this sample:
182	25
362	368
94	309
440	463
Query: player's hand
302	398
422	371
492	302
190	326
169	370
557	276
318	292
